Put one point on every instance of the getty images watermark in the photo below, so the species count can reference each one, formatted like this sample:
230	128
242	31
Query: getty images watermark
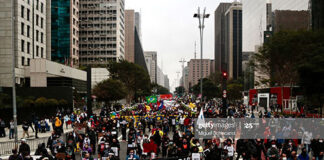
263	128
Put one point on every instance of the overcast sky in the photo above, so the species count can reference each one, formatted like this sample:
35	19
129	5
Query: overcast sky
169	28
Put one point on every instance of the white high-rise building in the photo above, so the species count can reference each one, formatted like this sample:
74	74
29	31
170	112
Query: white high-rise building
151	63
102	31
29	37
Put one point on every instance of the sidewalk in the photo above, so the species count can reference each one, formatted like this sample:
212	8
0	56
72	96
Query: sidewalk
31	134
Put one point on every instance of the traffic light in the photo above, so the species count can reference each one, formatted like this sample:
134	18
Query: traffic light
224	74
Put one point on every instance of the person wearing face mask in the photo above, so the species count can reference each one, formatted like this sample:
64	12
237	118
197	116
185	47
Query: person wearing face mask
273	152
303	155
288	148
132	156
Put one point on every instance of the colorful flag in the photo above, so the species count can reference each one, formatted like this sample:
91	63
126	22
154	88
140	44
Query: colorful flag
151	99
201	118
161	105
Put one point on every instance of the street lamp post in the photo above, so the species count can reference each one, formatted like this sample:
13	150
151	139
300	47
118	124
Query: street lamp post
201	19
14	74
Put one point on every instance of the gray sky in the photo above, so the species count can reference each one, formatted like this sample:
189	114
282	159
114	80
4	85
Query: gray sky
169	28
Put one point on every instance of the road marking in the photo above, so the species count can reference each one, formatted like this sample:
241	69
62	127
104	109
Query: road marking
120	137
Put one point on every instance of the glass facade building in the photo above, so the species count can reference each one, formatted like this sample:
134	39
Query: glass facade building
60	30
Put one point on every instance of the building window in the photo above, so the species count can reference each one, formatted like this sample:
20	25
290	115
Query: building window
22	45
37	51
28	61
28	47
42	21
37	35
22	11
73	41
37	19
42	52
37	1
28	30
22	60
42	37
73	51
22	28
42	7
28	14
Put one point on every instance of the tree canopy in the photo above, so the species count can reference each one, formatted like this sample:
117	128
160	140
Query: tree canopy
294	58
210	89
110	90
133	76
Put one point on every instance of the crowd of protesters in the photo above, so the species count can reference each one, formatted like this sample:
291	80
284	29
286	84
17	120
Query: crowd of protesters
153	131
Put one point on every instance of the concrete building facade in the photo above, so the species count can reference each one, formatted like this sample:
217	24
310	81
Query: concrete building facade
65	32
151	63
102	31
220	61
166	82
291	20
233	40
130	36
29	37
194	74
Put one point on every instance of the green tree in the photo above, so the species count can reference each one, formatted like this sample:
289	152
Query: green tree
210	89
52	103
133	76
63	103
159	89
110	90
216	78
295	57
41	102
180	91
27	103
234	91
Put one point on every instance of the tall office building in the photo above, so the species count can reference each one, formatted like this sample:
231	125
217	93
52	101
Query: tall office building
233	40
160	77
151	63
291	20
29	36
65	32
255	18
194	73
133	46
317	7
166	82
220	63
102	31
138	23
130	35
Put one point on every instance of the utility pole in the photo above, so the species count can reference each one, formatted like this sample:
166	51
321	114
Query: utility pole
14	105
201	19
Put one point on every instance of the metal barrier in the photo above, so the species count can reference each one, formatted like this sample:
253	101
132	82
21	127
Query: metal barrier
6	147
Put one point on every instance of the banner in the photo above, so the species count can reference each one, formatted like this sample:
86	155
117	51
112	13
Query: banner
165	96
151	99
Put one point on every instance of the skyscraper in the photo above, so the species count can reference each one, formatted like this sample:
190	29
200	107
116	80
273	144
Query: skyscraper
151	63
65	32
29	36
220	63
133	46
102	31
233	40
317	7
